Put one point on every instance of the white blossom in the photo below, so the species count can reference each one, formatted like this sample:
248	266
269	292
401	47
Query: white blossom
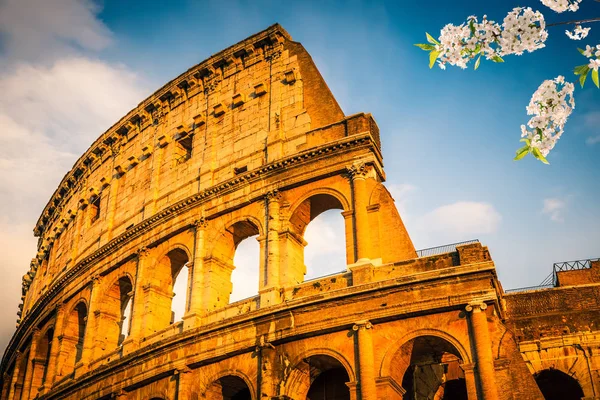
562	5
594	64
578	33
550	105
523	30
591	51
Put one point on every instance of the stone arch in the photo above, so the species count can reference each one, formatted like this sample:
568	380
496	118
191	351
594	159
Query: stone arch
391	352
73	333
219	387
557	385
297	385
166	271
220	255
113	306
44	347
301	213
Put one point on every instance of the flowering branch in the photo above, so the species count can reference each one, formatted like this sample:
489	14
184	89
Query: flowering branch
522	30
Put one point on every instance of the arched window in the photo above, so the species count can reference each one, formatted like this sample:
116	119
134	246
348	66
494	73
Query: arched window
180	279
556	385
317	239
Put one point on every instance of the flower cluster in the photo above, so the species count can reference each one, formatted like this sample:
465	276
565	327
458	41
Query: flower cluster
459	44
523	30
578	33
562	5
550	105
592	66
591	51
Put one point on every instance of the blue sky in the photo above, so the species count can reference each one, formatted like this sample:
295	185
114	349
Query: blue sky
448	136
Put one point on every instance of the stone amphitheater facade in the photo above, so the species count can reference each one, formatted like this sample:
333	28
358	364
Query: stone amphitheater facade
252	142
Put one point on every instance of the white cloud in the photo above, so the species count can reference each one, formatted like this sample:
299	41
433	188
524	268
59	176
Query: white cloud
592	140
554	207
462	219
402	193
325	252
42	29
55	99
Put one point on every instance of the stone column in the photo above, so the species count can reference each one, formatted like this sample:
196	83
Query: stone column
54	347
15	377
138	328
92	324
193	314
366	367
469	371
269	293
358	175
267	368
30	364
484	359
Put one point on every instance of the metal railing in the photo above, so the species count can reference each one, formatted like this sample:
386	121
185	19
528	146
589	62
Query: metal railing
448	248
552	280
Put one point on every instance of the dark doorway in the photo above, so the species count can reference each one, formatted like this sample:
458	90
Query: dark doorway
556	385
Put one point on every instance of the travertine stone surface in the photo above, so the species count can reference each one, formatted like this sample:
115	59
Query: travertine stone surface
251	142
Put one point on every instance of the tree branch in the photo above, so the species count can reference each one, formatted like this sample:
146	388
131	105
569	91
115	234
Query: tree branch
581	21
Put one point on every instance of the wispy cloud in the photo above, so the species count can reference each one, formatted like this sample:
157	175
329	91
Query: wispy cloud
56	97
592	125
555	208
461	219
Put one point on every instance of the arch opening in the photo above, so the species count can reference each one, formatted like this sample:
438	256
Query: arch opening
317	245
44	349
179	283
229	388
117	311
432	369
72	340
328	379
556	385
235	262
245	277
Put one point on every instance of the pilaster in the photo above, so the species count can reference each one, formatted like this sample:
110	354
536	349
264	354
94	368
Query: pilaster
366	367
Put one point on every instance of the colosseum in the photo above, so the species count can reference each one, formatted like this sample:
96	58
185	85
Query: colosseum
251	142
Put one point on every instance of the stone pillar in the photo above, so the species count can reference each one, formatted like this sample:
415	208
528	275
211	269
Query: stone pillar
484	359
137	323
366	367
469	371
358	176
30	364
112	202
269	293
186	383
267	368
54	347
192	317
15	376
92	323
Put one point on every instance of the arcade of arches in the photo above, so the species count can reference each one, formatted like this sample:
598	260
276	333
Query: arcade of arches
129	295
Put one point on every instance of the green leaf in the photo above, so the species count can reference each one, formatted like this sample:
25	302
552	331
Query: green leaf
497	59
432	57
477	62
581	51
471	27
582	79
527	141
538	154
581	69
522	152
595	78
430	39
426	47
